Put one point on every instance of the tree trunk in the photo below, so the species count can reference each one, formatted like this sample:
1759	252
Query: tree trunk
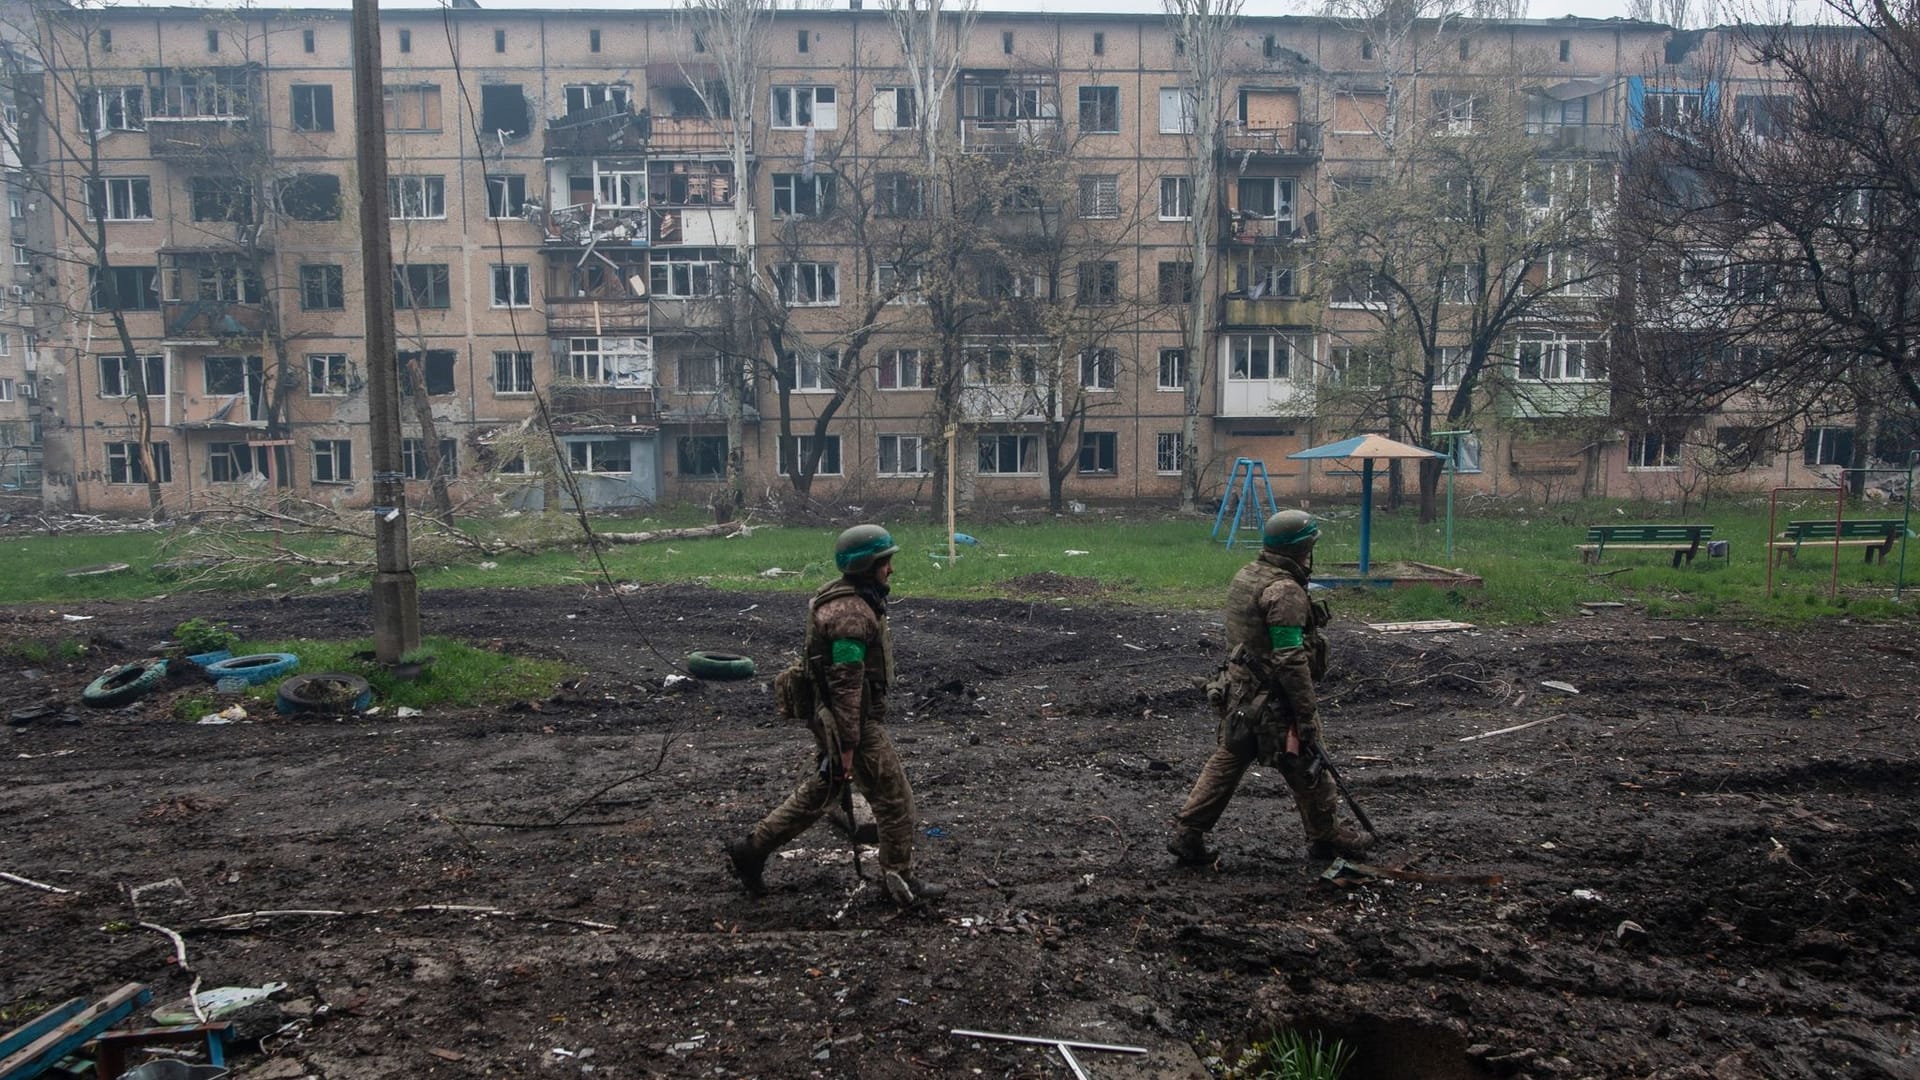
429	437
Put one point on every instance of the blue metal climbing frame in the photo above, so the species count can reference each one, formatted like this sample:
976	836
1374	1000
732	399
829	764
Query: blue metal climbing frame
1247	483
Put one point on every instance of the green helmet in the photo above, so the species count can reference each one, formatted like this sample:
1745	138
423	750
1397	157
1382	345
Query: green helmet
861	547
1289	528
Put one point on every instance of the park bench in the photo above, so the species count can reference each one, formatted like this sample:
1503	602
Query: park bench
1684	541
1877	535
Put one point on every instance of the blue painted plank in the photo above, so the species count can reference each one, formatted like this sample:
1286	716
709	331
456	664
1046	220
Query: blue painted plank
39	1026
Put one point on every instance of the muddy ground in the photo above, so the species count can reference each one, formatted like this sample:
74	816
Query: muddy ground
1708	855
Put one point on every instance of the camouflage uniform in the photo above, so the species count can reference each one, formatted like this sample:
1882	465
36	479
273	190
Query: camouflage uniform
1266	701
850	711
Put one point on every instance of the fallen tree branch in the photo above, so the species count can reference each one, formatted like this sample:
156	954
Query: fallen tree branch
180	961
246	919
32	884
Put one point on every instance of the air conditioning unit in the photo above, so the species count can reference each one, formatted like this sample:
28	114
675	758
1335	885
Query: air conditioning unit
27	390
16	290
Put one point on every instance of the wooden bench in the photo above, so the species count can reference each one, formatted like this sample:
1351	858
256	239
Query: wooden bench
1877	535
1684	541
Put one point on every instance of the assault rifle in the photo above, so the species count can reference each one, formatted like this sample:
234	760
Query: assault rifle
1318	761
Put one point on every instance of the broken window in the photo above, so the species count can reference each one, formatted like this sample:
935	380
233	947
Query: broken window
691	183
437	365
312	108
221	198
503	112
506	196
422	285
311	197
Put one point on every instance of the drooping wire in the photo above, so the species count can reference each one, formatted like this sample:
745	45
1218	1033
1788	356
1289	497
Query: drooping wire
560	459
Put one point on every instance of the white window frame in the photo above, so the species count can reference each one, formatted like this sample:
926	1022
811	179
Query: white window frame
512	372
1685	106
6	389
808	284
123	195
707	365
416	198
1167	452
792	449
1340	363
581	97
126	456
512	285
1557	354
117	116
1176	111
155	362
798	107
598	360
902	363
1177	355
620	189
901	449
1026	453
1176	192
1286	192
413	458
583	458
336	455
887	102
500	186
1099	370
681	273
328	375
794	188
1671	450
1450	366
1112	439
811	371
1280	351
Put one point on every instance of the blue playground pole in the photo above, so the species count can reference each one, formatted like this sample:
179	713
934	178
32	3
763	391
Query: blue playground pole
1366	513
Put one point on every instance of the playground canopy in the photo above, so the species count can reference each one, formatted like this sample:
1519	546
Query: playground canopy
1368	449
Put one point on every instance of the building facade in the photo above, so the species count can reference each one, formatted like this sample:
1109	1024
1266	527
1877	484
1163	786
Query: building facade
571	195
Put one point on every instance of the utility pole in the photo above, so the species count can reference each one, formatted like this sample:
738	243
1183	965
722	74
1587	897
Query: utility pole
396	594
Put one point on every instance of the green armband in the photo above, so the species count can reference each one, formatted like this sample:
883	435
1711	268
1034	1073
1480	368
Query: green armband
1283	637
854	651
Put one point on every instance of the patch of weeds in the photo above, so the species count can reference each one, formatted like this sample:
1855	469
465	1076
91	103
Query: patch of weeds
193	708
1290	1055
40	653
201	636
462	676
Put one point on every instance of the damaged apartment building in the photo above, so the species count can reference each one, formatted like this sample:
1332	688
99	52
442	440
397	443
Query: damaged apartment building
567	193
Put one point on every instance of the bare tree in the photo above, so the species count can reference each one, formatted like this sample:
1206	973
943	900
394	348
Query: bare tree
732	34
1783	241
1203	31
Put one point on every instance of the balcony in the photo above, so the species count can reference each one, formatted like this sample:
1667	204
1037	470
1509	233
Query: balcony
198	138
1596	140
1538	399
1007	403
1295	142
688	316
615	316
614	129
583	406
1246	229
209	322
592	225
1268	311
1010	136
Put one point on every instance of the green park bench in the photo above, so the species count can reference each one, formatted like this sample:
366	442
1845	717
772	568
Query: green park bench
1877	535
1685	541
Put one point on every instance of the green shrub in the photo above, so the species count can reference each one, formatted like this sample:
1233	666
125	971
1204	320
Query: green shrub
1290	1055
200	636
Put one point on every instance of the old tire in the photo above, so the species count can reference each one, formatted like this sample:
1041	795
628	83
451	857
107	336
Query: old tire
719	666
328	692
124	684
256	669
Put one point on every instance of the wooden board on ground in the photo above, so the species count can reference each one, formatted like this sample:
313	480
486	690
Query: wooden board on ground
1426	626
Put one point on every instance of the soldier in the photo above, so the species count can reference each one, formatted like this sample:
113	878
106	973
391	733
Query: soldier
1265	696
840	688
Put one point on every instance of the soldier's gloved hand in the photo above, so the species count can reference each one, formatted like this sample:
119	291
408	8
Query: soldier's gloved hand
846	766
1308	730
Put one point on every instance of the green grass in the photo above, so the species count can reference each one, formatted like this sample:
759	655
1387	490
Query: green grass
1525	555
461	675
1290	1055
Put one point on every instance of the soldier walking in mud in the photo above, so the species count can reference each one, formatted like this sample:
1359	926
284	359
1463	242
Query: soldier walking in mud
840	688
1265	697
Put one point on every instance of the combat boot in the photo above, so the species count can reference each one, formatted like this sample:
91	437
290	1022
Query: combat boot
1345	842
746	863
1190	847
909	891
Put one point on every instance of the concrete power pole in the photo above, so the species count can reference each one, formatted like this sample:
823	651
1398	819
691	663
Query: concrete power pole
396	594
